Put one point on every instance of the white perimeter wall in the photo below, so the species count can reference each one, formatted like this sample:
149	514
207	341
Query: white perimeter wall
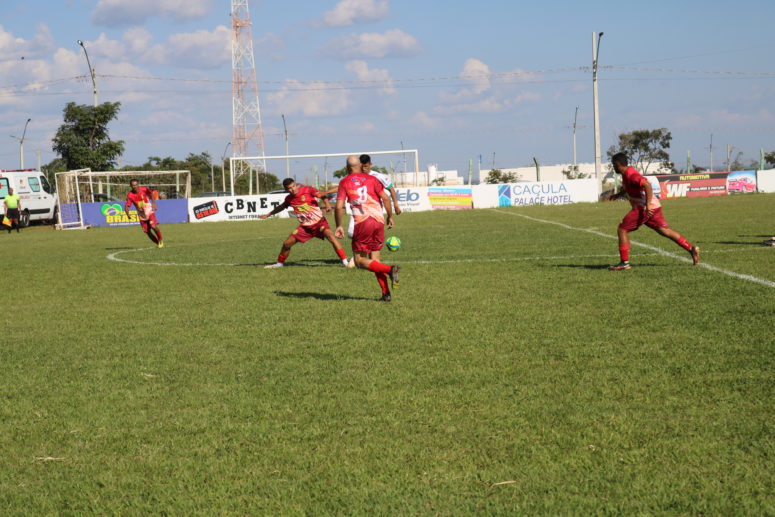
765	180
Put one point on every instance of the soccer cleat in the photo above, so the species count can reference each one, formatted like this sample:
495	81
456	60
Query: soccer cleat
351	262
276	265
695	251
621	266
160	244
769	242
394	275
385	297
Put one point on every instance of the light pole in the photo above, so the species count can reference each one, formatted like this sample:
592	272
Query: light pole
575	117
287	160
595	52
91	72
223	165
21	144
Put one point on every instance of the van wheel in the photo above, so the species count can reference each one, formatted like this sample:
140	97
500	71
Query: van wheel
24	220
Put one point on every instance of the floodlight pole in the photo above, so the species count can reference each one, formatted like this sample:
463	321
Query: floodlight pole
91	72
21	144
223	165
575	117
287	160
595	106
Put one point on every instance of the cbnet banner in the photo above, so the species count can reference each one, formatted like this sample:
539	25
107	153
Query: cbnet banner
233	208
536	193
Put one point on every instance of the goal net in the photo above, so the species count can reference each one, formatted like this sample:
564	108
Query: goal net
85	186
318	170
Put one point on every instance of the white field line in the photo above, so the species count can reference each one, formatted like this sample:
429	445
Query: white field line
660	251
114	256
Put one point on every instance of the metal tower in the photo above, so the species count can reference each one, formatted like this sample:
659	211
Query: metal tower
247	133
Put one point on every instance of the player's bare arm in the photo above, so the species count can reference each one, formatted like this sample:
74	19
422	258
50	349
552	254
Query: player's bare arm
276	210
326	203
649	196
386	204
338	215
394	196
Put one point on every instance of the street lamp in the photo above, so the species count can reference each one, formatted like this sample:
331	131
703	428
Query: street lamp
287	160
21	144
91	72
223	167
595	52
575	118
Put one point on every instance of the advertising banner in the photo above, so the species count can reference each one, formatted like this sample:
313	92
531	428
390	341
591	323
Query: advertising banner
536	193
112	213
704	184
450	198
233	208
765	180
413	199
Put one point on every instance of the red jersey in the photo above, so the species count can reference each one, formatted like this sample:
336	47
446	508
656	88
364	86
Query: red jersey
305	205
633	182
363	193
142	201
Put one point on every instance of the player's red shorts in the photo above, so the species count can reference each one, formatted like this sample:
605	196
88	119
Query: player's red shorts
305	233
368	236
147	223
637	217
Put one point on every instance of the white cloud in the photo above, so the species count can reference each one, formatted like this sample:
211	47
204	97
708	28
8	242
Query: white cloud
107	48
350	12
393	43
13	48
115	13
476	73
303	98
269	44
422	119
364	73
137	39
200	49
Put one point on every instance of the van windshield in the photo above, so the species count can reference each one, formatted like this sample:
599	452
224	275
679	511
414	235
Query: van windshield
3	187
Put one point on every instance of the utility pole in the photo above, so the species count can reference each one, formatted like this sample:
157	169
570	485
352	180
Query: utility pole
595	52
688	162
38	151
493	160
21	144
711	152
729	154
538	169
92	72
287	160
575	117
223	167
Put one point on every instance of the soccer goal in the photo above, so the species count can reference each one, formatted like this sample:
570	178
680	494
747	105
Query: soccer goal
319	170
85	186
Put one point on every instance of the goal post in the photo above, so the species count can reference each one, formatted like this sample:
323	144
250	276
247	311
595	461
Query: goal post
402	165
76	187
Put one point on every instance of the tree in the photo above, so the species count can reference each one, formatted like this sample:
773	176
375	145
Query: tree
645	147
573	173
769	158
83	140
498	176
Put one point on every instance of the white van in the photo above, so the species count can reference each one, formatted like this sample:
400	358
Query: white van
38	201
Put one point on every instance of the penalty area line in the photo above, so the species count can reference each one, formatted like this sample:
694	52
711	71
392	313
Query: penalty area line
660	251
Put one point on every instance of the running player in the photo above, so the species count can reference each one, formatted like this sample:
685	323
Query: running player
304	202
646	209
143	199
366	197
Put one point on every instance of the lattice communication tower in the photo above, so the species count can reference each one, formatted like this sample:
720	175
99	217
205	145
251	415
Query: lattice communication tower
247	134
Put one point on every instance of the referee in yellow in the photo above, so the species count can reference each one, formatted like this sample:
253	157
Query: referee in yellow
12	208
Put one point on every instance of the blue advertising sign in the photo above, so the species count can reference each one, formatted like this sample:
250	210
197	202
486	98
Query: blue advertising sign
112	213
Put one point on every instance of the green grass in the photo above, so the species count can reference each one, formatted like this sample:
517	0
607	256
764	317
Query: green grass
512	374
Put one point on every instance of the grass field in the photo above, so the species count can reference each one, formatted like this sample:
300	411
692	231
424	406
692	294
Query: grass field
511	374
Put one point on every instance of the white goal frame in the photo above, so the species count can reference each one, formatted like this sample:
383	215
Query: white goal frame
79	186
238	162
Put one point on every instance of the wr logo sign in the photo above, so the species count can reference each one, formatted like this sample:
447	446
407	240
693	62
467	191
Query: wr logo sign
677	189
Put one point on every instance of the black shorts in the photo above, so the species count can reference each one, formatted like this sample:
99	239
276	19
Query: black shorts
12	213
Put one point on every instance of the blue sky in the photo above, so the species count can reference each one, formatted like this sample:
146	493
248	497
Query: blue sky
453	79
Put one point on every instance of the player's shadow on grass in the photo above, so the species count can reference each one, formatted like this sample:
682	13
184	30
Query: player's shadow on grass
596	266
320	296
121	248
743	243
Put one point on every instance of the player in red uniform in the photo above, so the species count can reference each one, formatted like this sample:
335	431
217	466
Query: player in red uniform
646	209
304	202
145	203
366	196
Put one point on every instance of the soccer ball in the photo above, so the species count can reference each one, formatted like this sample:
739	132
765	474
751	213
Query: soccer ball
393	243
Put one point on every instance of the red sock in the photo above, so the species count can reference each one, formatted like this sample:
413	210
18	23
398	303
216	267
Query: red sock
154	239
158	234
341	253
378	267
382	279
624	252
684	243
281	258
